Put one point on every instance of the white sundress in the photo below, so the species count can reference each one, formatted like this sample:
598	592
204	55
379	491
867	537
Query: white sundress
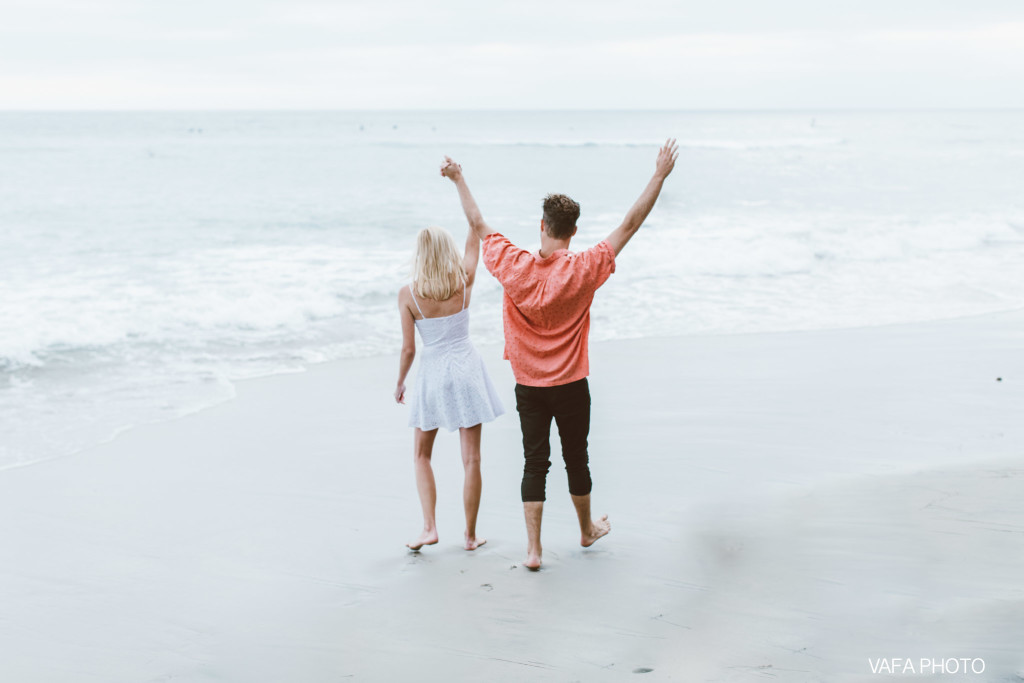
452	387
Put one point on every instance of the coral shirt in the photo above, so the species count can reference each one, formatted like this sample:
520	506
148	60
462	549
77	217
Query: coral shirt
546	307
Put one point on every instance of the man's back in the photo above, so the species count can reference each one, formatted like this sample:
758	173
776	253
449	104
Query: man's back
546	307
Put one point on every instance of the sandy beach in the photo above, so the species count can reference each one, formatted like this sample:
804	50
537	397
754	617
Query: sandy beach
787	507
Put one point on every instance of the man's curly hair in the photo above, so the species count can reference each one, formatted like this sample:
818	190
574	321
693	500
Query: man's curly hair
560	216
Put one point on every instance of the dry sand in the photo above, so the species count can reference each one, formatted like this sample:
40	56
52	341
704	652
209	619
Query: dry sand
785	507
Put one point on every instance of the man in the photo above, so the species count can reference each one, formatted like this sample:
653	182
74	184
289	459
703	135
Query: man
546	315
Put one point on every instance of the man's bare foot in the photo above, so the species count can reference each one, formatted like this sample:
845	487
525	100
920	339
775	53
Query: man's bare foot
472	542
597	529
532	561
426	538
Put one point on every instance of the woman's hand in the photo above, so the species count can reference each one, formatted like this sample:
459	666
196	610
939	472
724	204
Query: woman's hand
400	393
450	169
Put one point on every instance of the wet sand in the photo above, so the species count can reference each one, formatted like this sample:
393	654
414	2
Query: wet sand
784	506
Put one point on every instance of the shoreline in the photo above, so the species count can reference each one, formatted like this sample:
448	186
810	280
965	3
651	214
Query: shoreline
781	504
234	385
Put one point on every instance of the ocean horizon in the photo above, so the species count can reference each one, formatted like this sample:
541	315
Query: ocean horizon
148	260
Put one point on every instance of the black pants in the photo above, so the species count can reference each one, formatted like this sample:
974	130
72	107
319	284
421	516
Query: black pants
569	405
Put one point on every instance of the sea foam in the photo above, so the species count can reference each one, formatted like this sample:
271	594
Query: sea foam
149	261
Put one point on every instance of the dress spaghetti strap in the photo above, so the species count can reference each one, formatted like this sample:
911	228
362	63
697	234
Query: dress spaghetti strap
463	297
411	288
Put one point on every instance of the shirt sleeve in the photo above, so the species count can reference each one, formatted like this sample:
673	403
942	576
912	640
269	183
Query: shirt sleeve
600	262
503	259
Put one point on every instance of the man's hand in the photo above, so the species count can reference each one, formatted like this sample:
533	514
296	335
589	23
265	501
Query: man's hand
667	156
451	170
638	213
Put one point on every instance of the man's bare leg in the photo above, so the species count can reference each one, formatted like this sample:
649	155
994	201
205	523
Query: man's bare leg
590	529
473	485
423	446
534	511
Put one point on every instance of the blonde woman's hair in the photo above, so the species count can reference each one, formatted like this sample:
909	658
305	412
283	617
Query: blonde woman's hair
437	271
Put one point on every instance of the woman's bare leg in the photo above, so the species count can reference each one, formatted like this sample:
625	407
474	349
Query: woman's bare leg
473	485
423	446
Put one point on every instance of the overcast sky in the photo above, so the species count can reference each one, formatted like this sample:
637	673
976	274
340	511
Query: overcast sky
467	54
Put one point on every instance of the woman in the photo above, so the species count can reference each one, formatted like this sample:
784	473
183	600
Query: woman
452	388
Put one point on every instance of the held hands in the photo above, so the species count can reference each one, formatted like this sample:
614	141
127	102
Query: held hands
667	156
400	393
451	170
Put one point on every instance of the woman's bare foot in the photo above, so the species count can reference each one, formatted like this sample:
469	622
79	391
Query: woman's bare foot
472	542
597	529
428	537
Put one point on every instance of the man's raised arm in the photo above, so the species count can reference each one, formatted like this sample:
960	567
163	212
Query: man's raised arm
453	171
638	213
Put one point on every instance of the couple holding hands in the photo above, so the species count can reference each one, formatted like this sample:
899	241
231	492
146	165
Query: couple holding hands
546	318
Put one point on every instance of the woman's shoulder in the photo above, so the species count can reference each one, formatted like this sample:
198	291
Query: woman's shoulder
405	297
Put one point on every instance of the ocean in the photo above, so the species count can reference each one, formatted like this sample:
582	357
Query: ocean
148	261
